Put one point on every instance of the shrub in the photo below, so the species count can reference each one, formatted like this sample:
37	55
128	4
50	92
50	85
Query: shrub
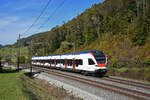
147	60
114	62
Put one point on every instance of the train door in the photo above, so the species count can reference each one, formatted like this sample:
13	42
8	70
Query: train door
91	64
65	63
40	62
83	63
73	64
55	62
50	62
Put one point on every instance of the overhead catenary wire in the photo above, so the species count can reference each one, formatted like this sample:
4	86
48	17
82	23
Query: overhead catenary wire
50	16
19	44
42	12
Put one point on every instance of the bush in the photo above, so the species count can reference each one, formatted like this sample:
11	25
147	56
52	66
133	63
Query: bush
114	62
147	60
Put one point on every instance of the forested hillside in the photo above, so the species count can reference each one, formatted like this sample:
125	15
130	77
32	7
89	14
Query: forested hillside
120	28
129	18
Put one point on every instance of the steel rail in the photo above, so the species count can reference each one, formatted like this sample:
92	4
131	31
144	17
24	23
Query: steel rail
127	82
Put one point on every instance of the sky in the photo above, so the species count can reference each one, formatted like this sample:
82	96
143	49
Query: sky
17	15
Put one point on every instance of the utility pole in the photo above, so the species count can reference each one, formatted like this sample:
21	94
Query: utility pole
30	52
30	56
10	53
18	53
74	49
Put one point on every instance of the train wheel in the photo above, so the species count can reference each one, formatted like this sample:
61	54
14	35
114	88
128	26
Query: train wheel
95	75
101	75
84	73
98	74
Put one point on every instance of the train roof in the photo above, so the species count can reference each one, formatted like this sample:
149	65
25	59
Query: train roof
81	52
76	53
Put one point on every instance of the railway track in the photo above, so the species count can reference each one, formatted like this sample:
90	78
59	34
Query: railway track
138	95
128	82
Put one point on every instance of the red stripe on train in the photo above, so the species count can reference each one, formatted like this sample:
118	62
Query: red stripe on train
73	62
65	63
55	62
100	65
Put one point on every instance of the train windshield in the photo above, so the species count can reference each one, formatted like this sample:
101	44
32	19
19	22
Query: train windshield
99	56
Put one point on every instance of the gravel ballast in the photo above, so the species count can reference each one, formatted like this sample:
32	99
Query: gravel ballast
71	89
81	90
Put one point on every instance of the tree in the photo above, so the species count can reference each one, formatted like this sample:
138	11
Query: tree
22	59
0	65
142	31
142	7
7	58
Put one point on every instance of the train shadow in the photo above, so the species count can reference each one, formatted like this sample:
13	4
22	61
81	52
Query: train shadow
31	75
89	74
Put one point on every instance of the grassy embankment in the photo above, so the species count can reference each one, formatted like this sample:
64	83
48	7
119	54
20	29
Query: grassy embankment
21	86
11	87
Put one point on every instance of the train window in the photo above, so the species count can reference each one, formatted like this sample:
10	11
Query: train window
69	62
52	61
57	61
73	61
63	61
43	61
47	61
100	59
79	62
91	62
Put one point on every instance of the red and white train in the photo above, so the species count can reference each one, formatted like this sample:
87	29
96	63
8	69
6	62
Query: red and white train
87	62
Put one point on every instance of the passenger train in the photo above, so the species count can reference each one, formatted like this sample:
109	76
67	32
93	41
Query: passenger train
87	62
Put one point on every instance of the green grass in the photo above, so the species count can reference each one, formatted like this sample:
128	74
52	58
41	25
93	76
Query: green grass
42	90
11	87
22	86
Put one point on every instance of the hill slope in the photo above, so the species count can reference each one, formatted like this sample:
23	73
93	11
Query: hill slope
125	17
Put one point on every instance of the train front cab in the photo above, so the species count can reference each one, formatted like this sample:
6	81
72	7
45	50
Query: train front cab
97	63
